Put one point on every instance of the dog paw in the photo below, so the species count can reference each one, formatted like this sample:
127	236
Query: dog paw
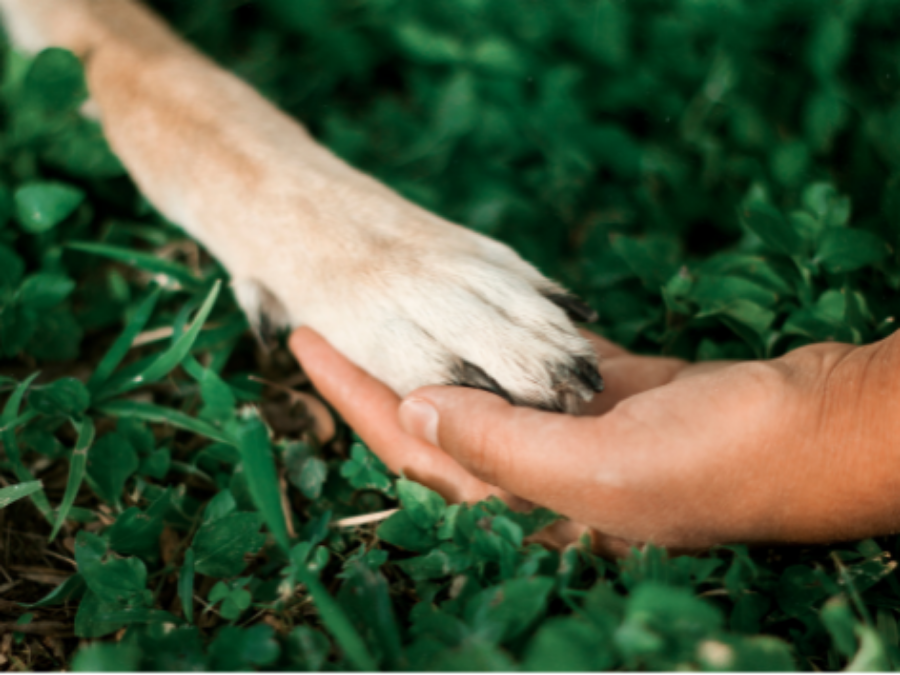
429	303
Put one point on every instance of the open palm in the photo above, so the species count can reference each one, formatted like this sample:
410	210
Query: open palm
794	449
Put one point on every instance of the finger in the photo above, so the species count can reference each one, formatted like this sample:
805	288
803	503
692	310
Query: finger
370	408
607	472
604	348
527	452
626	374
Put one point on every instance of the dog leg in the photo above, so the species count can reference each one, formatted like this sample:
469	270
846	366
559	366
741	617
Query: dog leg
408	296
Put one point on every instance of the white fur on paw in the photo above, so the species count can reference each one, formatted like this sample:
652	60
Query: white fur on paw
447	307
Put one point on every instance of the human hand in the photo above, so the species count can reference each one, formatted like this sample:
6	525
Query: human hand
798	449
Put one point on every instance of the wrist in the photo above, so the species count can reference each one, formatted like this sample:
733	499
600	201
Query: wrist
852	455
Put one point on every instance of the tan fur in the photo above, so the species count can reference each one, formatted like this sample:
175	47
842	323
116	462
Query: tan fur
306	238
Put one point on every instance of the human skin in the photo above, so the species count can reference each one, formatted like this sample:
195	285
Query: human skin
803	448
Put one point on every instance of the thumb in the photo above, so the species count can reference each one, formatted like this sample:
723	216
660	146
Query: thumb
518	449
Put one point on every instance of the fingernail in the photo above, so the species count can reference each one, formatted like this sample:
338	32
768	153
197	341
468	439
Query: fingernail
420	419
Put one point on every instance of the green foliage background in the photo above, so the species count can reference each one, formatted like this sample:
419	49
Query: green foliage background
719	178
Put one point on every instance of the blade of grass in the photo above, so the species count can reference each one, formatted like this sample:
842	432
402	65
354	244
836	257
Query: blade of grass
150	412
11	409
21	420
855	598
11	444
338	624
76	471
175	354
144	261
13	493
262	479
186	585
122	345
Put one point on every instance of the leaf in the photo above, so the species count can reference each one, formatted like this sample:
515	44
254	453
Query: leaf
769	225
67	397
400	530
312	477
456	111
838	618
55	81
88	620
219	506
11	268
749	314
43	291
262	478
505	611
17	328
800	588
137	532
531	521
243	649
115	581
56	335
41	206
107	657
790	163
569	645
14	493
846	250
365	471
477	656
77	465
307	648
112	461
822	322
220	546
438	562
748	611
156	464
81	151
219	401
824	201
423	506
428	46
234	598
715	291
648	259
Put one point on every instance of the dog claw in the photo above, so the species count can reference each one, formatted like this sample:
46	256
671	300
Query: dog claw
575	308
589	375
467	374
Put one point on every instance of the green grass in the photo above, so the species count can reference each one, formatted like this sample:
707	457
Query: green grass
719	179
